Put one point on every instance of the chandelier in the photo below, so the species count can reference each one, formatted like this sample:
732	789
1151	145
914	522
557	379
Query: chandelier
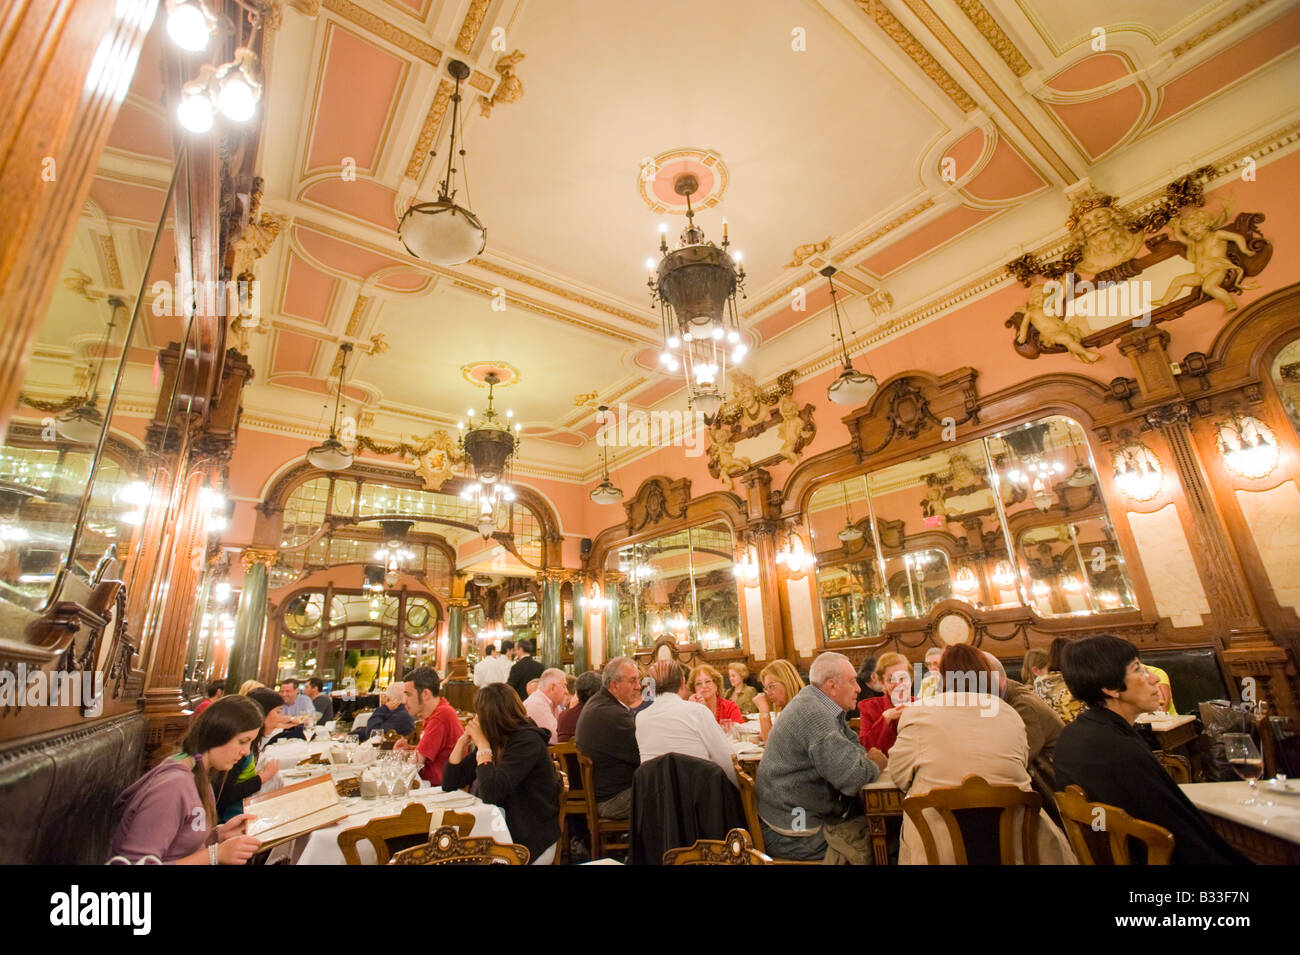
695	286
1247	445
84	423
852	387
332	455
490	446
442	232
393	554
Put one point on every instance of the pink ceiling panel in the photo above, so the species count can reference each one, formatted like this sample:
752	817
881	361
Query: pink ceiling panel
1006	176
817	297
365	200
964	153
1218	71
316	386
122	201
1100	124
137	131
294	353
405	281
657	392
1096	70
358	89
929	236
307	291
343	256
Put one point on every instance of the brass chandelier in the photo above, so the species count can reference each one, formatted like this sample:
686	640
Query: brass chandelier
695	286
490	446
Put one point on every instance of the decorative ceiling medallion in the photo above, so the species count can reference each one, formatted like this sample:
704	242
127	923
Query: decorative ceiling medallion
476	373
657	175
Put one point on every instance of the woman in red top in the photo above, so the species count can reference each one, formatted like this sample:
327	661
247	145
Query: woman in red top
704	685
878	716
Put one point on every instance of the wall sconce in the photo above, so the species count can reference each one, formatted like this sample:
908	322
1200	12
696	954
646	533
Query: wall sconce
746	570
965	582
1247	445
1138	473
793	557
1003	575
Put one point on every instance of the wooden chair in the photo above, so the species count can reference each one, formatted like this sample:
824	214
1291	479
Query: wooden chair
564	798
979	804
447	847
749	800
390	834
1178	767
602	830
575	803
1099	833
736	849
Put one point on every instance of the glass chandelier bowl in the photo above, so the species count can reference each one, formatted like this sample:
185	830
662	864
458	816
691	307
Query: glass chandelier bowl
490	444
332	455
696	286
82	425
441	231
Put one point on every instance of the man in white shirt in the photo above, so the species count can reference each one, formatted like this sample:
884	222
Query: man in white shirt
493	668
673	724
546	702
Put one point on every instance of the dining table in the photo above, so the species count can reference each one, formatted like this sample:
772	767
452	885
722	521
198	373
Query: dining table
321	846
1267	832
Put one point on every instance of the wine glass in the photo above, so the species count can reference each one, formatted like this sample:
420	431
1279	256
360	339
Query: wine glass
352	741
309	725
1245	761
376	738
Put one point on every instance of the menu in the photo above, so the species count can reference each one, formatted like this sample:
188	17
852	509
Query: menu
294	810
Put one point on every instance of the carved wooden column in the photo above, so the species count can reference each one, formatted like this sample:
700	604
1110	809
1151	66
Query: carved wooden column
53	127
767	637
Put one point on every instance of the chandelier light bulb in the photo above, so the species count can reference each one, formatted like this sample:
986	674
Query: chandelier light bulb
717	332
737	256
510	413
674	341
737	357
672	364
236	100
663	228
650	264
188	27
687	337
195	110
733	336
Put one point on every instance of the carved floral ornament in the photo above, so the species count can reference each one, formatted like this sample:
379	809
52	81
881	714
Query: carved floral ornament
1123	271
752	412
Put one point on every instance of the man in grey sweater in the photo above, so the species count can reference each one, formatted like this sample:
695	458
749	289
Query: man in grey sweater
812	769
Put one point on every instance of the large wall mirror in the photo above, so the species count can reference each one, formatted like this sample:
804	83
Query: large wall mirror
1015	518
680	584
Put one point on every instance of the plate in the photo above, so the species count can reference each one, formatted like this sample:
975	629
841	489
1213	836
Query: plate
1285	790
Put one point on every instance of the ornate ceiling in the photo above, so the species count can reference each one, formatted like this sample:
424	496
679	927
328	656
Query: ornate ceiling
918	145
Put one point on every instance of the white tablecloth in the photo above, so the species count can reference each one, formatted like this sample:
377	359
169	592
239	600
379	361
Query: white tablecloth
1281	819
321	847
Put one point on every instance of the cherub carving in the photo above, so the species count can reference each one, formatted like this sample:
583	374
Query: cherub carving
723	450
1051	329
436	457
748	398
1207	250
510	89
793	428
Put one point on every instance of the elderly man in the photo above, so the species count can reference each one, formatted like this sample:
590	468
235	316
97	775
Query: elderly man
587	686
607	736
813	769
931	683
441	725
391	713
546	703
673	724
295	703
1042	726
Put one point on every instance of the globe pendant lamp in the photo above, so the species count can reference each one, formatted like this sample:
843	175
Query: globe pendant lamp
605	492
850	532
84	423
852	387
332	455
441	231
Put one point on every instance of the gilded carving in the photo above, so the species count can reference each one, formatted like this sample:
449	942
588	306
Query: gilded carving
723	461
888	227
383	29
112	272
751	412
510	89
435	457
806	251
917	52
993	33
432	123
354	320
258	555
657	499
1052	331
1217	27
472	24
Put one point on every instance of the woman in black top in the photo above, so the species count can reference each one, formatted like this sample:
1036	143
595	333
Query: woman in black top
505	751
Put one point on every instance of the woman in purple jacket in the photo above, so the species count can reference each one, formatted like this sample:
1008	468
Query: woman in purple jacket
168	814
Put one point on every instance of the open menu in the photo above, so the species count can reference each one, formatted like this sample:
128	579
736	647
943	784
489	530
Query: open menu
294	810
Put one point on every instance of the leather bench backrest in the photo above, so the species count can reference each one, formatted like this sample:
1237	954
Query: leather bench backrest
1194	674
56	795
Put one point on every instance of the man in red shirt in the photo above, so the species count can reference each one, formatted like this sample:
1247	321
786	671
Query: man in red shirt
441	725
216	690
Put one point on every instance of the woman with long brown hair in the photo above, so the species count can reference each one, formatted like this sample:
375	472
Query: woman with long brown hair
505	752
169	814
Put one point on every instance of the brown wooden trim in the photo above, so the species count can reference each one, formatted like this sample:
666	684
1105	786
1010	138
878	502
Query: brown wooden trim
46	112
